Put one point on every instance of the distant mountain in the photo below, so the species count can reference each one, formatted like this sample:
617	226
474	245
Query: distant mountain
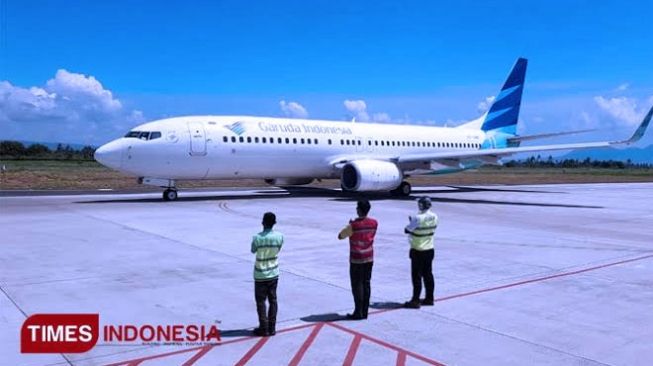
635	154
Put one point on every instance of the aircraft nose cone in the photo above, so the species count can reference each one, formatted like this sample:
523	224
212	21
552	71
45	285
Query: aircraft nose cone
109	155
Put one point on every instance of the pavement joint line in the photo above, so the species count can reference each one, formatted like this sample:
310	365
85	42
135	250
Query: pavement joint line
26	316
434	315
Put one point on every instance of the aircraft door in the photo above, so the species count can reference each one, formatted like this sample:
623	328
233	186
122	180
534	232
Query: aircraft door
197	138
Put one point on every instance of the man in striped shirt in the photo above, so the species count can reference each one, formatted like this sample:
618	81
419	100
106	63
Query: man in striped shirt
266	245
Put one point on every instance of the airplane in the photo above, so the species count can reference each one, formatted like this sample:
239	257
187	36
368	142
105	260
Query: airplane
366	157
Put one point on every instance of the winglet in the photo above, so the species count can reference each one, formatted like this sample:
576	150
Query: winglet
639	132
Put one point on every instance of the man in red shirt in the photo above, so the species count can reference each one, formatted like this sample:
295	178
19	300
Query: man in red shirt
361	232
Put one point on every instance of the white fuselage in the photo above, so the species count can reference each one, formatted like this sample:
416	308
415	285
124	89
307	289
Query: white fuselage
229	147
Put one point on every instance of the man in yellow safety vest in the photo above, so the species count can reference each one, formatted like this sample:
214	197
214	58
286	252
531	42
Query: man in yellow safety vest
266	245
420	232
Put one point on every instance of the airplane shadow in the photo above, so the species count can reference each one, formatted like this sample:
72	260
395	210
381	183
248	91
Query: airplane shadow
341	196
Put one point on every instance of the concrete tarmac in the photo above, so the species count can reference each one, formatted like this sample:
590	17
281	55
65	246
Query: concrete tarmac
525	275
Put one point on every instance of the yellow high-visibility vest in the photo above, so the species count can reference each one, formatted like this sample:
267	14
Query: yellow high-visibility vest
421	238
266	245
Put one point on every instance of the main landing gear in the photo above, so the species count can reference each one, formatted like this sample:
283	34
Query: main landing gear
170	194
403	190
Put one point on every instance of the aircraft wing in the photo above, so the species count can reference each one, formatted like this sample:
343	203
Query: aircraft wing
486	154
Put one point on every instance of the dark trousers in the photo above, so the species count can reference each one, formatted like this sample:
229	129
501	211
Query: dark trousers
266	290
360	275
421	268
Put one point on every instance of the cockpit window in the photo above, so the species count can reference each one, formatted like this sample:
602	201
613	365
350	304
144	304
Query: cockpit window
143	135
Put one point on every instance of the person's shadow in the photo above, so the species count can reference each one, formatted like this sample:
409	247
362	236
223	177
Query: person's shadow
236	333
328	317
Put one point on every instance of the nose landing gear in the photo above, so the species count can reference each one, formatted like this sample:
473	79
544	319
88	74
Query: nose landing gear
170	194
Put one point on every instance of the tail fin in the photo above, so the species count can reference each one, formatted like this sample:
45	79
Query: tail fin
504	112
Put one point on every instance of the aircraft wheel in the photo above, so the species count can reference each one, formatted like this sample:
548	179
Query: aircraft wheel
404	189
170	195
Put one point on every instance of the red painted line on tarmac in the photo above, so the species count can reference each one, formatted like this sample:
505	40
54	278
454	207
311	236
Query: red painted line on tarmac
198	355
386	344
401	359
540	279
353	348
252	351
137	361
307	343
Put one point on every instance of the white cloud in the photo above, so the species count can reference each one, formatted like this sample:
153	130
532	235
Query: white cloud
623	87
358	108
381	117
293	109
484	105
69	107
623	109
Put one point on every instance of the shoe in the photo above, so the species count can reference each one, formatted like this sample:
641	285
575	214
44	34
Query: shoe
272	328
412	304
354	317
427	302
261	332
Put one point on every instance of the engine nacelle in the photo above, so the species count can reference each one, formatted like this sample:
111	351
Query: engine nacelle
370	175
289	181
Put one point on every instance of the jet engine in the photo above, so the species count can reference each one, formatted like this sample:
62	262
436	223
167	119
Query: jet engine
370	175
289	181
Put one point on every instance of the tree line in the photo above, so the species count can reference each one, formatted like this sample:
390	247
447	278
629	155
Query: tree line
17	150
550	162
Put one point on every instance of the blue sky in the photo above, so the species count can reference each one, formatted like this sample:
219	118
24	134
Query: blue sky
124	62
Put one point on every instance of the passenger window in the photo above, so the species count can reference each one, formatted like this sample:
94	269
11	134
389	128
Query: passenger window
315	141
359	142
233	138
342	142
302	140
241	139
347	142
287	140
264	140
225	139
249	140
329	141
294	140
376	142
308	141
256	140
